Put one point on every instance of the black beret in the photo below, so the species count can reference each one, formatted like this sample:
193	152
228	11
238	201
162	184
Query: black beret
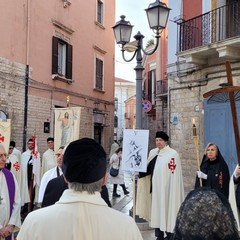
162	135
84	161
50	139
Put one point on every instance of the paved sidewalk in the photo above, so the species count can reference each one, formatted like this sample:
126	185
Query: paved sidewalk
125	203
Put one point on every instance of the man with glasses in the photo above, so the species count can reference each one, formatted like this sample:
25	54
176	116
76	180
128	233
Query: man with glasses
49	159
10	202
54	172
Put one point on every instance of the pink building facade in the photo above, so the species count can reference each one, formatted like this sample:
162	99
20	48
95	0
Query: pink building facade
53	52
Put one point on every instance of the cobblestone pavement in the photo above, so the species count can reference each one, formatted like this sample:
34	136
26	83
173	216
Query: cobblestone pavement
125	204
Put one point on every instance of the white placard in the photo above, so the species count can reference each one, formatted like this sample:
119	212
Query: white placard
135	150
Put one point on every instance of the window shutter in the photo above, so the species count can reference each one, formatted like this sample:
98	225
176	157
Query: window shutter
69	62
54	55
99	73
149	97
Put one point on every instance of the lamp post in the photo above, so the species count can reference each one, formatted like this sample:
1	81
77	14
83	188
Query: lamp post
157	14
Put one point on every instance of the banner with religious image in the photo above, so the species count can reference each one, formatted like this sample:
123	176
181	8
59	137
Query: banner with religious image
67	125
5	133
135	150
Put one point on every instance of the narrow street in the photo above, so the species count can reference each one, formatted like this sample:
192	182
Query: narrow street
124	204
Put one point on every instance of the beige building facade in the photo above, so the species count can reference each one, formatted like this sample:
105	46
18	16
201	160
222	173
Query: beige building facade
199	68
55	55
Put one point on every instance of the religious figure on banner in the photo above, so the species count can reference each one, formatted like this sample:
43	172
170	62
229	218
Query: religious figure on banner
67	128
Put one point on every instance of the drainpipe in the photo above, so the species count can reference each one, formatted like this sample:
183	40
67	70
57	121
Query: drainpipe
26	78
25	108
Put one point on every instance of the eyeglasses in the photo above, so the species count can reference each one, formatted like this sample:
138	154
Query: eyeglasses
3	155
10	148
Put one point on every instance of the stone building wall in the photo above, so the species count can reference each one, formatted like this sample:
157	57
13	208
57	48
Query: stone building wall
40	109
185	94
12	78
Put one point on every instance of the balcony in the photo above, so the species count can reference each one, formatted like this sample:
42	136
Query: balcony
213	35
161	88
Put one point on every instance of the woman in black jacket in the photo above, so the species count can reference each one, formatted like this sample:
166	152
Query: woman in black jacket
214	172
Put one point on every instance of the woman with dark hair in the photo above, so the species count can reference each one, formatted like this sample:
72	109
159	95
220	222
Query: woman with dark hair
115	162
214	172
205	214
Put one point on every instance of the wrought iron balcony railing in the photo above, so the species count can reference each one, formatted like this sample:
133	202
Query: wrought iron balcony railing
217	25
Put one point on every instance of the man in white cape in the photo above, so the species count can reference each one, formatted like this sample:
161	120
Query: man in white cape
15	151
160	191
50	174
30	170
49	159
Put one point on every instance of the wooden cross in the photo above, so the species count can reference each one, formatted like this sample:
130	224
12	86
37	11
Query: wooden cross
230	89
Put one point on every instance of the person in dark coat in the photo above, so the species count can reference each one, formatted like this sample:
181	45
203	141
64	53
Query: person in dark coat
54	190
214	172
56	187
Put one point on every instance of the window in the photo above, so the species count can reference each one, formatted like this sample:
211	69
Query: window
99	74
61	58
100	11
151	86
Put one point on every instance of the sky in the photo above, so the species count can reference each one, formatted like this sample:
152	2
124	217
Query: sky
134	10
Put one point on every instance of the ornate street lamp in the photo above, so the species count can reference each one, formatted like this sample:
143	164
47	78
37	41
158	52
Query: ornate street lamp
157	14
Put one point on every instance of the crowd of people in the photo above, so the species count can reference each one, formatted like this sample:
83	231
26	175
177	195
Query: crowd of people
72	196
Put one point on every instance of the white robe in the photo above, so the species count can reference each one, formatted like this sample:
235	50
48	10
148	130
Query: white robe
50	174
167	190
24	177
25	198
49	161
15	166
232	201
15	218
79	216
17	153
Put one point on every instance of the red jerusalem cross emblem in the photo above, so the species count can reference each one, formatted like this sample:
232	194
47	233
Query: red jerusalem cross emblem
16	166
172	165
1	138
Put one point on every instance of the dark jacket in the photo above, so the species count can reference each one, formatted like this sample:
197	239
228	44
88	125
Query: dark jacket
56	187
54	190
218	176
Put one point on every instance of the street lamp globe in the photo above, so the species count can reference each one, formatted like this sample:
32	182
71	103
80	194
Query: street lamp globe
122	31
157	14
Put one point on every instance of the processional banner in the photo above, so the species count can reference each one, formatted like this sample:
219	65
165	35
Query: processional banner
5	133
67	125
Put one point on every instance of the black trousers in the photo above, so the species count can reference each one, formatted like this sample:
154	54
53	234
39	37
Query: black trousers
160	234
115	188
